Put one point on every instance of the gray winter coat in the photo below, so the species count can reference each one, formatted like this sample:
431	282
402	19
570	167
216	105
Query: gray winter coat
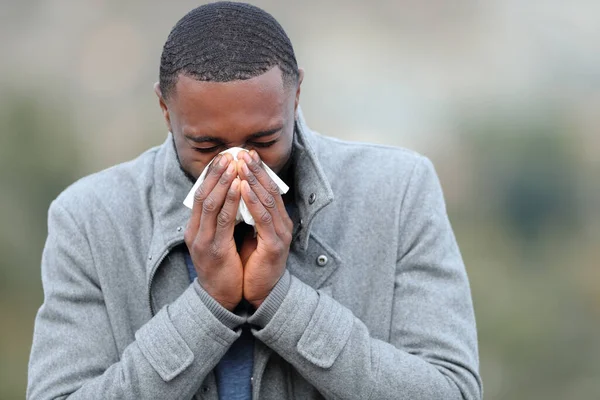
375	303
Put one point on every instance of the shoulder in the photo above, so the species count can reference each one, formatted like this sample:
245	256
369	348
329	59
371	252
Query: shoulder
118	189
368	162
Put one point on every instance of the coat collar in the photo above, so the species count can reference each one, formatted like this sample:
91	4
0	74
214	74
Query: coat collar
312	191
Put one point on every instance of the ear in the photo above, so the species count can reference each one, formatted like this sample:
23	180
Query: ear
300	78
163	105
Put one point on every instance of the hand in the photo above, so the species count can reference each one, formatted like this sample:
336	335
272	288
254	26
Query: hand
209	233
266	255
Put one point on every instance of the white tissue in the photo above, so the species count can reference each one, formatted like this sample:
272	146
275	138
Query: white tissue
243	213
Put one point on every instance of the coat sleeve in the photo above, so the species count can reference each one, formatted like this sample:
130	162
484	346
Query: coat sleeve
432	351
74	353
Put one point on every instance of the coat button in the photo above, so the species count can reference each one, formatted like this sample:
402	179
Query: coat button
205	389
179	228
312	198
322	260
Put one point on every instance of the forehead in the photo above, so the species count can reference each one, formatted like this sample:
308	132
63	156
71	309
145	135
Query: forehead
230	107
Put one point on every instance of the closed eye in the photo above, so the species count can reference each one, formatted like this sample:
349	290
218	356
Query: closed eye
206	150
264	144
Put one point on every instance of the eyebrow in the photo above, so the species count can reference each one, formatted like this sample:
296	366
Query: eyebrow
214	139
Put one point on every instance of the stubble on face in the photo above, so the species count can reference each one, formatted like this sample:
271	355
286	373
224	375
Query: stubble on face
189	176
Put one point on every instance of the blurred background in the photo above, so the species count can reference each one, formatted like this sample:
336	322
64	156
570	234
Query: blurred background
502	95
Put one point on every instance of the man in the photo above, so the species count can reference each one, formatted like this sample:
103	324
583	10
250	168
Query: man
352	287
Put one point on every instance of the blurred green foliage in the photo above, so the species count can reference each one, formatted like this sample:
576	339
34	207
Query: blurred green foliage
527	168
38	160
529	258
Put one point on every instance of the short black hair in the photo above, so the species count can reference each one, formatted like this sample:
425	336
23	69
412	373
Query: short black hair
223	42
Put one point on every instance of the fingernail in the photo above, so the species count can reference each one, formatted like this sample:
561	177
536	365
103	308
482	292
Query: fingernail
235	184
245	169
230	169
254	155
223	161
246	157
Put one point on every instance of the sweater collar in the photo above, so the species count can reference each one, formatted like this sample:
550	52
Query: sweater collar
312	189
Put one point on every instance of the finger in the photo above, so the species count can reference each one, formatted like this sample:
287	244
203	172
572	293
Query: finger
267	199
215	170
263	219
226	217
257	168
213	203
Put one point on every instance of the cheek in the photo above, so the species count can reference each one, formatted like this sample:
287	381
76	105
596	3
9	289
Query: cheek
276	157
193	162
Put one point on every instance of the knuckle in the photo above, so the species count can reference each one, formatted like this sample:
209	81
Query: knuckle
272	187
253	199
283	247
287	237
200	194
230	200
278	247
252	181
265	217
224	179
269	201
209	205
231	196
223	219
197	247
